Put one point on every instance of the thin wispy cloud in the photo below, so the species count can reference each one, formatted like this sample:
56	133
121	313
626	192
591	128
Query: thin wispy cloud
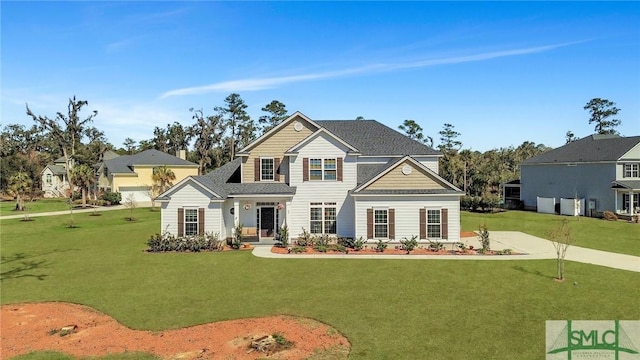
253	84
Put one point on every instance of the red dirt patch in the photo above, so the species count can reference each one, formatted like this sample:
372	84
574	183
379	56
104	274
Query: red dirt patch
28	327
467	234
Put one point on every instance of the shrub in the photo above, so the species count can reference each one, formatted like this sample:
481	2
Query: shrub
462	246
112	198
305	238
483	236
435	245
381	246
409	244
298	249
236	241
341	248
505	252
609	215
193	243
359	244
346	242
284	236
321	240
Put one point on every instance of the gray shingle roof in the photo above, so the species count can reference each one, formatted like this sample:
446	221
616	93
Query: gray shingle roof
592	148
123	164
57	169
627	184
374	139
218	182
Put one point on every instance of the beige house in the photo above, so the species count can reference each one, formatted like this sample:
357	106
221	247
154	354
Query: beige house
54	179
131	175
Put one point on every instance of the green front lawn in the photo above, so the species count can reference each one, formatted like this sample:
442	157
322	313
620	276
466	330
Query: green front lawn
615	236
42	205
388	309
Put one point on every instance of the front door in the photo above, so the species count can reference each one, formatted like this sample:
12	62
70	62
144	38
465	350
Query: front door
267	222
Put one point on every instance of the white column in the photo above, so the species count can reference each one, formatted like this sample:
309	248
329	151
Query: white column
236	212
287	205
631	202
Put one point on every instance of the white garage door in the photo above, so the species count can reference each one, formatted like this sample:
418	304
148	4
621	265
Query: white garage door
139	194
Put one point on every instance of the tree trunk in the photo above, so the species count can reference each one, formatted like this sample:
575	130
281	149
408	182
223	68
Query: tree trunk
84	197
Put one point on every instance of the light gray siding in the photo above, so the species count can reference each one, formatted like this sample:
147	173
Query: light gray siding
191	195
322	146
588	181
407	213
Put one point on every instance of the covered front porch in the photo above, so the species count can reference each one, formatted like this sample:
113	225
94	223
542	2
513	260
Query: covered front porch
627	197
260	218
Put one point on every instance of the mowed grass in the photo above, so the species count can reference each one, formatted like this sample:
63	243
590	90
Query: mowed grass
614	236
41	205
388	309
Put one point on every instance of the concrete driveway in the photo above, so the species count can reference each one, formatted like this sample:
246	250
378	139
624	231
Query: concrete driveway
533	247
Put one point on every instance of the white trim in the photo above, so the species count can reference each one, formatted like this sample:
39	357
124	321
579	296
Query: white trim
183	182
411	195
295	148
273	168
250	196
243	151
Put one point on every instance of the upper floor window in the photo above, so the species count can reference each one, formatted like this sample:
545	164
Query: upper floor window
631	170
49	181
323	169
267	167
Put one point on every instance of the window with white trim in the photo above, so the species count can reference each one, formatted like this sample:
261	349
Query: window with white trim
267	166
434	223
190	221
625	202
49	180
631	170
323	169
323	218
381	223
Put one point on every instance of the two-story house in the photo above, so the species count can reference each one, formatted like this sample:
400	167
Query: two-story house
132	175
602	169
348	178
54	179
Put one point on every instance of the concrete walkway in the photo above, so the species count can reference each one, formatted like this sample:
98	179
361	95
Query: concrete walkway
533	247
75	211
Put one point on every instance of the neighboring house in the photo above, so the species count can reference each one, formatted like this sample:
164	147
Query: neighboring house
348	178
602	169
132	174
54	179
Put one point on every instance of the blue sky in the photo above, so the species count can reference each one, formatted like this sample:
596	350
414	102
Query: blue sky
500	72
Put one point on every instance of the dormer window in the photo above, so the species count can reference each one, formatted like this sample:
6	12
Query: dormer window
267	169
631	171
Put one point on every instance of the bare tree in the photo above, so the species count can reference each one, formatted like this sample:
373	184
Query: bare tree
561	238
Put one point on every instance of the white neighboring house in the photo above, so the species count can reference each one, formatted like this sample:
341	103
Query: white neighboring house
54	179
346	178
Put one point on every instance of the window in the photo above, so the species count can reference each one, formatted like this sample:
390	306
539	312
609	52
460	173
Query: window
381	223
625	202
49	181
433	224
323	218
266	169
323	169
190	221
631	170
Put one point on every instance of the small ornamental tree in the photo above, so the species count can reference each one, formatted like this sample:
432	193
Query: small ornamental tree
561	238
